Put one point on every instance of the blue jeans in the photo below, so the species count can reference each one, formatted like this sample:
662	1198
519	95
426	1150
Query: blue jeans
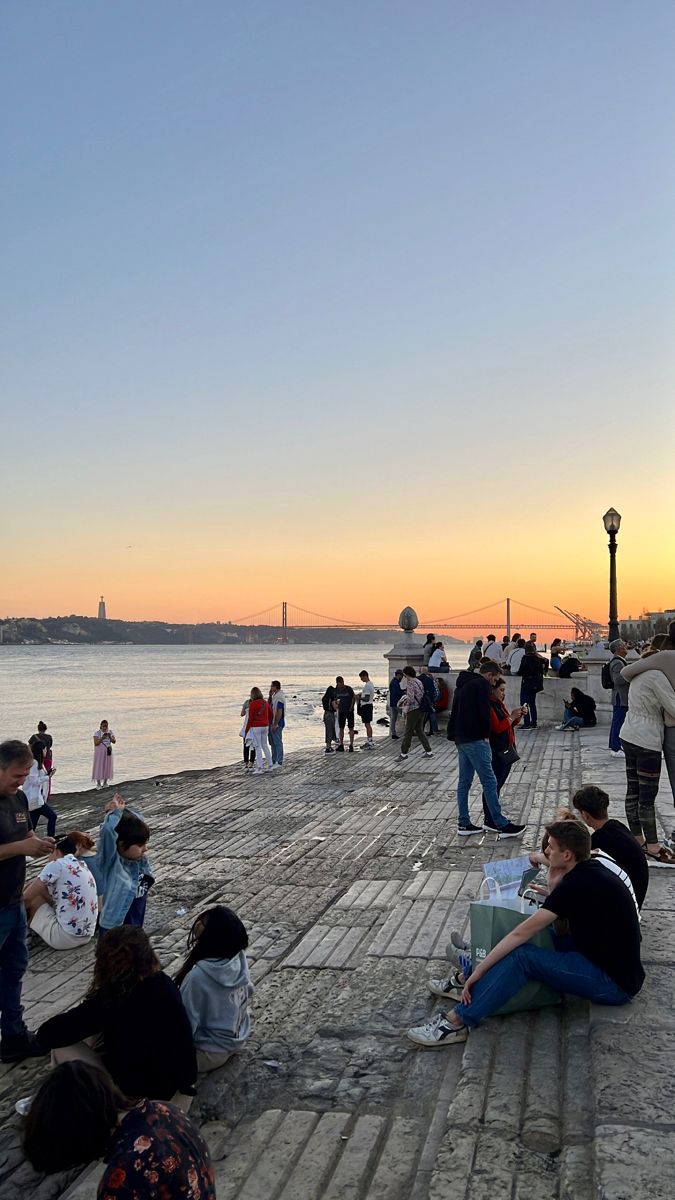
529	696
475	758
277	744
571	721
618	717
13	963
571	973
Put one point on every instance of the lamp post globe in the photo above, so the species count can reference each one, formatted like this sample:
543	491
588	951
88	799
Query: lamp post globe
612	522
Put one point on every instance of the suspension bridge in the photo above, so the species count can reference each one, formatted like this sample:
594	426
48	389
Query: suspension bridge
506	614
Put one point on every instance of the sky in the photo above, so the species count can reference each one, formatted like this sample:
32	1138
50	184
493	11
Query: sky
356	305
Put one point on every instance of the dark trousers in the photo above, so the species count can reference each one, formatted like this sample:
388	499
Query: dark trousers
501	770
643	771
13	963
529	696
49	815
414	722
618	717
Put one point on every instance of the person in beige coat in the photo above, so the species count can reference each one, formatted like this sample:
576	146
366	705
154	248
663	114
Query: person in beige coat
650	698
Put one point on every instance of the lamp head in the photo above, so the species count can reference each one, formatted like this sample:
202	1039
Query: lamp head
612	520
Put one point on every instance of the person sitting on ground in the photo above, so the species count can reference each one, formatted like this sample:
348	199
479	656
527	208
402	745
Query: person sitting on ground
597	854
579	711
120	866
36	789
613	837
62	904
132	1022
604	928
215	986
439	660
150	1149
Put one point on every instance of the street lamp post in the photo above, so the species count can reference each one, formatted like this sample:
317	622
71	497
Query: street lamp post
612	521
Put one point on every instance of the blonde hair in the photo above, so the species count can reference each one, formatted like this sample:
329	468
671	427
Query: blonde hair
256	694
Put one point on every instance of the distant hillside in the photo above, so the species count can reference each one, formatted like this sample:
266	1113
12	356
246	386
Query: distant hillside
89	631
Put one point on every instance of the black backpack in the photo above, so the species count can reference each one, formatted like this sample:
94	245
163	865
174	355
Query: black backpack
606	676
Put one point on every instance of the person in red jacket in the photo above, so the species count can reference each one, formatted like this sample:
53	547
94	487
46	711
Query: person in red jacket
502	739
258	721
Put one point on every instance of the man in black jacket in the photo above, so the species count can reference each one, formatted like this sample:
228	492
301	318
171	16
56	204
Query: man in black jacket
469	728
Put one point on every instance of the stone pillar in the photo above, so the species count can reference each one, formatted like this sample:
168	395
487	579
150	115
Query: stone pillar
408	651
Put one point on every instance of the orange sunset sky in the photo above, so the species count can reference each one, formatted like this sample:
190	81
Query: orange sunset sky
352	306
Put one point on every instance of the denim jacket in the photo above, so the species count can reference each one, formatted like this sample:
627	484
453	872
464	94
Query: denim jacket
117	878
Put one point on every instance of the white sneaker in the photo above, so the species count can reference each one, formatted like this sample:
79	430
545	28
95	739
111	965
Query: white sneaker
560	727
616	753
277	766
257	770
401	757
437	1033
428	754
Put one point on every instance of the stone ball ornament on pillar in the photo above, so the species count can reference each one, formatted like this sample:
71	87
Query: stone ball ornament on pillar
408	620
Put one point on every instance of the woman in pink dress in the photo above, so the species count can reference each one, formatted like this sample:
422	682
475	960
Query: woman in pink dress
104	740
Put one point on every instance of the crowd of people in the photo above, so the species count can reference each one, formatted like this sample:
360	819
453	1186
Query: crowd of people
113	1043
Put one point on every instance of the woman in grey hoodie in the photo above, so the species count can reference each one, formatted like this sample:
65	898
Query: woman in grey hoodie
215	986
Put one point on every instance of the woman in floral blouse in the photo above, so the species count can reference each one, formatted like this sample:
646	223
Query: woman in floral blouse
151	1149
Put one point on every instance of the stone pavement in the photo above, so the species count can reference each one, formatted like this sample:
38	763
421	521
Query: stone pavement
349	875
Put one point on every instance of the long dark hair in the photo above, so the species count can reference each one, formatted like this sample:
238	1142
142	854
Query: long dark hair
124	957
79	1104
221	935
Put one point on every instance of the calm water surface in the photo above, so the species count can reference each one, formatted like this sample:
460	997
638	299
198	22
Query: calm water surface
172	708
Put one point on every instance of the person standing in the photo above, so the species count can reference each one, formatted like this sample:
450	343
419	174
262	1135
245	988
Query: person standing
365	701
502	742
36	790
395	693
662	660
493	650
258	721
329	704
650	696
104	740
531	672
410	703
346	699
48	756
432	692
620	687
277	702
249	750
17	840
469	729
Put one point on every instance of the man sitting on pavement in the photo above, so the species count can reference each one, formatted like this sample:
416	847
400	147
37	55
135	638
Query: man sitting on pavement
613	837
469	728
604	928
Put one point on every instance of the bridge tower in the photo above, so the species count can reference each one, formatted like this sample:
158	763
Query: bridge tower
284	621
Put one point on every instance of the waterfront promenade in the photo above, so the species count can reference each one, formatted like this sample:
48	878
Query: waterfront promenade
349	876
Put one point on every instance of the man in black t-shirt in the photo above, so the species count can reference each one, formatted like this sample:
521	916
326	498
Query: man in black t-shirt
16	841
604	927
346	699
615	839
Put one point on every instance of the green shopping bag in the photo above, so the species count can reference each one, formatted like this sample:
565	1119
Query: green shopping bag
491	920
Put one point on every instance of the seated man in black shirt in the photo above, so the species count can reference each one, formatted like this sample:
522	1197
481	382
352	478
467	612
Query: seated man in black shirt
603	922
615	839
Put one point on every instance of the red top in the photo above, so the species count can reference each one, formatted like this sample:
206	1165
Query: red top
259	715
500	720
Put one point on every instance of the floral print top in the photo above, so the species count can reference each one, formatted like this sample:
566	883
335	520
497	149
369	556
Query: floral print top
157	1152
72	888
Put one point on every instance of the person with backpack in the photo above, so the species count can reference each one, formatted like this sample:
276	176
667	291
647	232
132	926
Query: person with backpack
431	694
415	706
613	679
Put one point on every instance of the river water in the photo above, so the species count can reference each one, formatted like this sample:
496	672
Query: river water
172	708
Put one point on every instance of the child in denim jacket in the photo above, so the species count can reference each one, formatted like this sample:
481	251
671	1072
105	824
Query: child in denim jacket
120	866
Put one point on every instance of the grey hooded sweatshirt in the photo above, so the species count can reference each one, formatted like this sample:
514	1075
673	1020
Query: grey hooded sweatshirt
215	995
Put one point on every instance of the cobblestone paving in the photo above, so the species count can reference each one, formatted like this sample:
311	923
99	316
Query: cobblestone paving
349	875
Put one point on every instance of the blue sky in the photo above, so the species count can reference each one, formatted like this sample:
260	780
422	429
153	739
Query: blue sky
248	243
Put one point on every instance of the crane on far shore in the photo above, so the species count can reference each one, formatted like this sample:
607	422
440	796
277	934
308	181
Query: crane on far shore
584	627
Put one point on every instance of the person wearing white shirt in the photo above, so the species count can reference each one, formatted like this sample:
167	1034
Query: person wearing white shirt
364	701
438	660
517	656
493	650
509	649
